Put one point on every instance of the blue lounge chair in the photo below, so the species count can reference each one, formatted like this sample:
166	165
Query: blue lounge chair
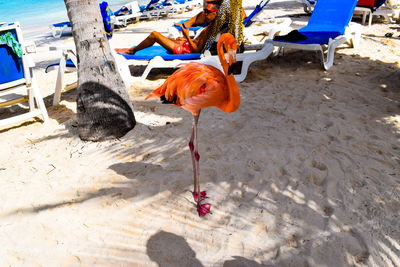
158	57
58	29
17	83
151	10
109	19
328	25
151	5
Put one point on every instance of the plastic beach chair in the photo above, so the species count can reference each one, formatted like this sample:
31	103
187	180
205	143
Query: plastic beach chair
372	8
68	63
17	83
328	25
152	10
58	29
158	57
109	19
128	12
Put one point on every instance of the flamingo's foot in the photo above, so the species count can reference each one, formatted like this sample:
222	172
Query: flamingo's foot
203	209
203	195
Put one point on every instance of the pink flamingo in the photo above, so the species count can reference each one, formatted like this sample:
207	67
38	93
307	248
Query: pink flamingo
195	86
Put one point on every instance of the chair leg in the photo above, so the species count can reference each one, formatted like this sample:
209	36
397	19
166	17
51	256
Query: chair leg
331	52
39	100
370	19
157	61
31	99
60	81
364	17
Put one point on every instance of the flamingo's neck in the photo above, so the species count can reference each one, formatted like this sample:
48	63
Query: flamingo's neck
221	56
234	95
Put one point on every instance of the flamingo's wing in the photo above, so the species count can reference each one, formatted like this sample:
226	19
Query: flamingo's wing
203	86
193	86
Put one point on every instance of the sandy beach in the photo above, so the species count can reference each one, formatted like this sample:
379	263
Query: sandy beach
305	173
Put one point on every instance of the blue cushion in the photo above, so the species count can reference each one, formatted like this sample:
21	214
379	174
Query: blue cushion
156	50
318	37
333	16
11	68
314	37
68	63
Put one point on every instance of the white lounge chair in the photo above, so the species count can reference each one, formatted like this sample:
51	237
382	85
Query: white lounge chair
328	25
133	13
158	57
58	29
17	83
153	10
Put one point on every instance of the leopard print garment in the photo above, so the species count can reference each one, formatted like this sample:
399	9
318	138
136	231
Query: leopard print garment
229	14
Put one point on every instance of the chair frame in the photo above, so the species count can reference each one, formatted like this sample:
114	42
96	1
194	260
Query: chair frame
27	87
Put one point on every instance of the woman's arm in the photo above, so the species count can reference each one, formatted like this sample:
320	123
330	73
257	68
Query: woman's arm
196	45
197	20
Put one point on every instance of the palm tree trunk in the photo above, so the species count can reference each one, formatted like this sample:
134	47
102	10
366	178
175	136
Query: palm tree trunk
104	109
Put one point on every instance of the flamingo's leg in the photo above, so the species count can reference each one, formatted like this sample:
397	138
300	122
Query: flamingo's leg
196	154
195	167
191	147
202	209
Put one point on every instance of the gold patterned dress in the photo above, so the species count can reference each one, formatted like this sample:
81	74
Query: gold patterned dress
229	19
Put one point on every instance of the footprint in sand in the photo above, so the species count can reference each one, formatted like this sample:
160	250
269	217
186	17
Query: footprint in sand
253	165
355	248
318	172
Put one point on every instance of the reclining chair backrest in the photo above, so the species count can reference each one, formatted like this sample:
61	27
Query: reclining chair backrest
329	15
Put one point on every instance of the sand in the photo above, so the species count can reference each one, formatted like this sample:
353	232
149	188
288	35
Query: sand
305	173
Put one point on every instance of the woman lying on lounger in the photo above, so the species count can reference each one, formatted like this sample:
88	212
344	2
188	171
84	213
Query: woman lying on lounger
180	45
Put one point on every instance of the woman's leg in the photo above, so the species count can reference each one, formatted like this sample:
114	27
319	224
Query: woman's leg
154	37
